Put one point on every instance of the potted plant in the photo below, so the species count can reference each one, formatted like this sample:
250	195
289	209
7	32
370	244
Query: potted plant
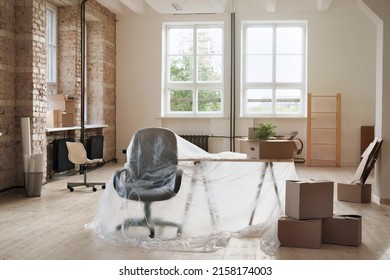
265	130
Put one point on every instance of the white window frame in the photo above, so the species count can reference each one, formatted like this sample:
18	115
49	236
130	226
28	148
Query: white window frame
52	85
193	85
273	85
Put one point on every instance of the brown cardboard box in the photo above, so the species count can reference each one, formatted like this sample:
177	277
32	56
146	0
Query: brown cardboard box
300	233
342	230
67	119
309	199
277	149
70	106
54	118
354	192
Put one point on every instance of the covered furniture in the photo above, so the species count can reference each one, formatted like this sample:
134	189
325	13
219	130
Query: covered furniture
151	174
78	155
218	195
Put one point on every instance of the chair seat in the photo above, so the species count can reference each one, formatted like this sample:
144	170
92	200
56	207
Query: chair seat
148	191
92	161
78	155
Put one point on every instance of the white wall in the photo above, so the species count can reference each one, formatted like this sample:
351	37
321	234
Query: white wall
378	12
341	58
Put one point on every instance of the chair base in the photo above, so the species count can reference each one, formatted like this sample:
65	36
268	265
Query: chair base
148	223
71	186
85	182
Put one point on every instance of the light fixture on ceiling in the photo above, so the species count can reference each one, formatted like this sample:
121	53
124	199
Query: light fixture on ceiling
176	6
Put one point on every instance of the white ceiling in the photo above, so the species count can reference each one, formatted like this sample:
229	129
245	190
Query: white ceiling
214	6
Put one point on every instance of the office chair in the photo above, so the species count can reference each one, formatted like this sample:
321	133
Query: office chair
151	174
78	155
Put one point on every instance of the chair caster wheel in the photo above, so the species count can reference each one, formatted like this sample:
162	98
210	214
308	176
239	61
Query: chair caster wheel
71	189
94	189
104	187
179	232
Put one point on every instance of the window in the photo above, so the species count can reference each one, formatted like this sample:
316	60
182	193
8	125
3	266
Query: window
273	69
193	70
51	46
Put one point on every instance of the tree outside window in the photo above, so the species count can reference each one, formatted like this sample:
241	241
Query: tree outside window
194	75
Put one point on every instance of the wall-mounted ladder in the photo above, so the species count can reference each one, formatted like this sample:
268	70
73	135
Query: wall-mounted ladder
323	130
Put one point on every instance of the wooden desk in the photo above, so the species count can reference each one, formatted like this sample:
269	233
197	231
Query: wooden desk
268	165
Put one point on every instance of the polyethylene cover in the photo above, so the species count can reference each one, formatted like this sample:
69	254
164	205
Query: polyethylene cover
221	196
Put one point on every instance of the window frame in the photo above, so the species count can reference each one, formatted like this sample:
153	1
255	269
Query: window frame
273	85
52	86
194	85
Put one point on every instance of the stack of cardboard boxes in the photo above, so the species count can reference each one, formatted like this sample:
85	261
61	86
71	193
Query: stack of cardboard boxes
310	220
61	111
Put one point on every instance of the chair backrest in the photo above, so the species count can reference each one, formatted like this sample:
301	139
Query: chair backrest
150	150
76	152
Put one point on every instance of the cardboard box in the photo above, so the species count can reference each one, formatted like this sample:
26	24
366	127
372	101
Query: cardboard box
300	233
354	192
70	106
54	118
56	102
250	148
67	119
276	149
309	199
342	230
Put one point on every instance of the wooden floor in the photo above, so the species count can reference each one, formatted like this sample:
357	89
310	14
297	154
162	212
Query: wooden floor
53	227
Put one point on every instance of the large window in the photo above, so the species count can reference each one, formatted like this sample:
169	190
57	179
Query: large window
273	69
51	46
193	70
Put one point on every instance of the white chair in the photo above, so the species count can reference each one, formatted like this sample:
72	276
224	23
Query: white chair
78	155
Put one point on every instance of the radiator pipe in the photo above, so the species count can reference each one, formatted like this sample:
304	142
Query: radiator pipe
232	81
83	43
82	96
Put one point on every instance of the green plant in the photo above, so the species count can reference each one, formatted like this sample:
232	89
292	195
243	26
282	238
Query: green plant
265	130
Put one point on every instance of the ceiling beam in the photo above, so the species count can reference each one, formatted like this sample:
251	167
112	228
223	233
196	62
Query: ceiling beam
114	6
271	5
137	6
323	5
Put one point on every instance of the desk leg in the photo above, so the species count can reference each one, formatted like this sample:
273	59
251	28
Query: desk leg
198	170
275	185
259	187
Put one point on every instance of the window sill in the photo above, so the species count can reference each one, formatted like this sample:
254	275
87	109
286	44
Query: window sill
192	117
272	117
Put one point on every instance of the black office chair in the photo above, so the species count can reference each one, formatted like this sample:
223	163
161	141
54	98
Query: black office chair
151	175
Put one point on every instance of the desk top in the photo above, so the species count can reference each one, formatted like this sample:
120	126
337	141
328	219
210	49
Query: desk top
87	126
236	160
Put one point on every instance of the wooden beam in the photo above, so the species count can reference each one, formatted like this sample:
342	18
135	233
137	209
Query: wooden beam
323	5
137	6
271	5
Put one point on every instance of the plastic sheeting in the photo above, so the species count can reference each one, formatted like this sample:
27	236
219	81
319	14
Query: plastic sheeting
219	194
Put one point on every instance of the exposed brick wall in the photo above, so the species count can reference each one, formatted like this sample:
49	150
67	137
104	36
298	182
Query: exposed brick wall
30	76
23	91
7	94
